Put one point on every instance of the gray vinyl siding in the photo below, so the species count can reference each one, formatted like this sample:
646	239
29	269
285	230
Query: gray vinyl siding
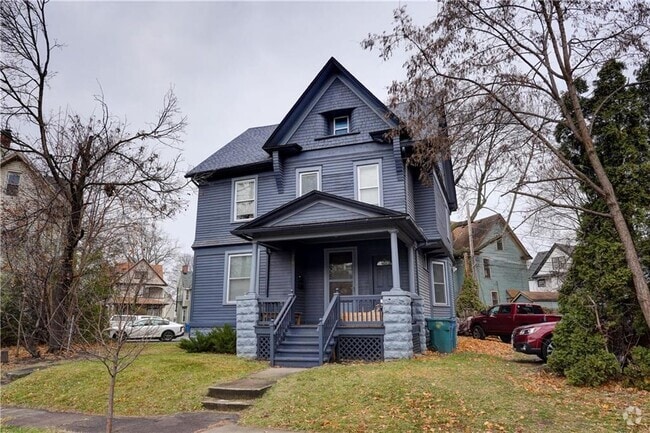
315	125
442	215
424	283
320	212
409	192
425	209
207	309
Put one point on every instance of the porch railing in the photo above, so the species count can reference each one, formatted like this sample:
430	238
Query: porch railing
361	310
269	310
278	326
327	326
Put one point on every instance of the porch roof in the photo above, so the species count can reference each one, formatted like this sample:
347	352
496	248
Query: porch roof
322	215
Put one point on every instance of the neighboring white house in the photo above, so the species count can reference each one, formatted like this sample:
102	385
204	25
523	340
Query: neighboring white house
549	268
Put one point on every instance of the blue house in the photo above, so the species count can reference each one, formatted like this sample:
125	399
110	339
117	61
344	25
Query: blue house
315	237
500	265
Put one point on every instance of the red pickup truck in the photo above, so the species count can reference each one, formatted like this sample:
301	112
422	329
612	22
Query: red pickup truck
501	320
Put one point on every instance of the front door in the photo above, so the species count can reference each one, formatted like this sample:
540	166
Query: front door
382	274
340	272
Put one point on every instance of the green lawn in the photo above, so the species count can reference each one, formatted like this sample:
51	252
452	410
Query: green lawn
163	380
463	392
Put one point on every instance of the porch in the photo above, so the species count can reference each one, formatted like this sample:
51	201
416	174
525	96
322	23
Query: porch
354	327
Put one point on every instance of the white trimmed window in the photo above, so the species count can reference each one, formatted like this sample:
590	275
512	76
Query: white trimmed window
13	183
307	179
368	183
439	284
244	202
495	297
238	276
340	125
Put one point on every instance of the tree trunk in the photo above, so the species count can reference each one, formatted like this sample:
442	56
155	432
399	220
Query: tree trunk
111	399
631	255
62	290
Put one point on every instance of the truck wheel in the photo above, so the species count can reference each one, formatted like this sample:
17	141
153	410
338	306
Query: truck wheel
478	333
547	349
505	338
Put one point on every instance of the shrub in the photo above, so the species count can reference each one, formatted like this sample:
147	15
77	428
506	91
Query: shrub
580	353
593	370
637	372
218	340
468	301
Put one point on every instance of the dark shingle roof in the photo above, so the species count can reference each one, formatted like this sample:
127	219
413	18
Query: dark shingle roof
244	150
537	262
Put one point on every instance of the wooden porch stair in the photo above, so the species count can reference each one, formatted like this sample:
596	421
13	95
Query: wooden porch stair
300	348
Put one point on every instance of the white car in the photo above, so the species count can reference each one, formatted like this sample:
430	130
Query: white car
150	327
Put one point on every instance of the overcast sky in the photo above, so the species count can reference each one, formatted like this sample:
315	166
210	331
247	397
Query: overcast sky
232	65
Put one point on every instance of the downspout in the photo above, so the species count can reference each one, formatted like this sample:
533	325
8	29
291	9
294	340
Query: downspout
268	271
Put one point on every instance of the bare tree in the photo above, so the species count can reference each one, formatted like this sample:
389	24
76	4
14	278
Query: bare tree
97	166
535	53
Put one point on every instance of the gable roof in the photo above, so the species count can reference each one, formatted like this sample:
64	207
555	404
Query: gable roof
252	148
481	229
293	219
550	296
312	93
541	258
125	267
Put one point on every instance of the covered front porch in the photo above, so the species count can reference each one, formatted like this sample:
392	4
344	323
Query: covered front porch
352	291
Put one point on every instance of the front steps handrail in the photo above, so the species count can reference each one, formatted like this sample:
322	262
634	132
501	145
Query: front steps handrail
278	327
327	325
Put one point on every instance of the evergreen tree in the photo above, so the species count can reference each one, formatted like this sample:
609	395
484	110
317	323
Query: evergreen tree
602	320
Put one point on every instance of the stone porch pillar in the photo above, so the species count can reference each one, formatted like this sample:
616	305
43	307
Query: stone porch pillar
418	314
398	335
248	310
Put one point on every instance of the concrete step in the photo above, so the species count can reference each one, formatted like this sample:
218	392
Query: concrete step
224	405
244	389
294	362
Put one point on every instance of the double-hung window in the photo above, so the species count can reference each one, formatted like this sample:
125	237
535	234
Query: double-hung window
13	183
307	179
238	275
439	284
487	272
368	183
245	199
341	125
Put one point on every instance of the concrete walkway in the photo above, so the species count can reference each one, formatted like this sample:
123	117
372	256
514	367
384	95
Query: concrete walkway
190	422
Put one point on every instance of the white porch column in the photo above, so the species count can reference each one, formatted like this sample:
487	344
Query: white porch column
253	284
394	258
412	268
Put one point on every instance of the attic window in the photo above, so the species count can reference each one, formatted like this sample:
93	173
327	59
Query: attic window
341	125
500	244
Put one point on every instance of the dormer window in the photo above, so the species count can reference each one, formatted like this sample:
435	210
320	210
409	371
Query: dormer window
341	125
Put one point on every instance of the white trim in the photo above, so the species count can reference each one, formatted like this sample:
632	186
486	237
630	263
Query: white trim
326	274
380	189
432	282
226	273
233	203
307	170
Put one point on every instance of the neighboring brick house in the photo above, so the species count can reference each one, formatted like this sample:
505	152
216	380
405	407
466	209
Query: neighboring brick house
141	289
500	259
549	268
346	248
